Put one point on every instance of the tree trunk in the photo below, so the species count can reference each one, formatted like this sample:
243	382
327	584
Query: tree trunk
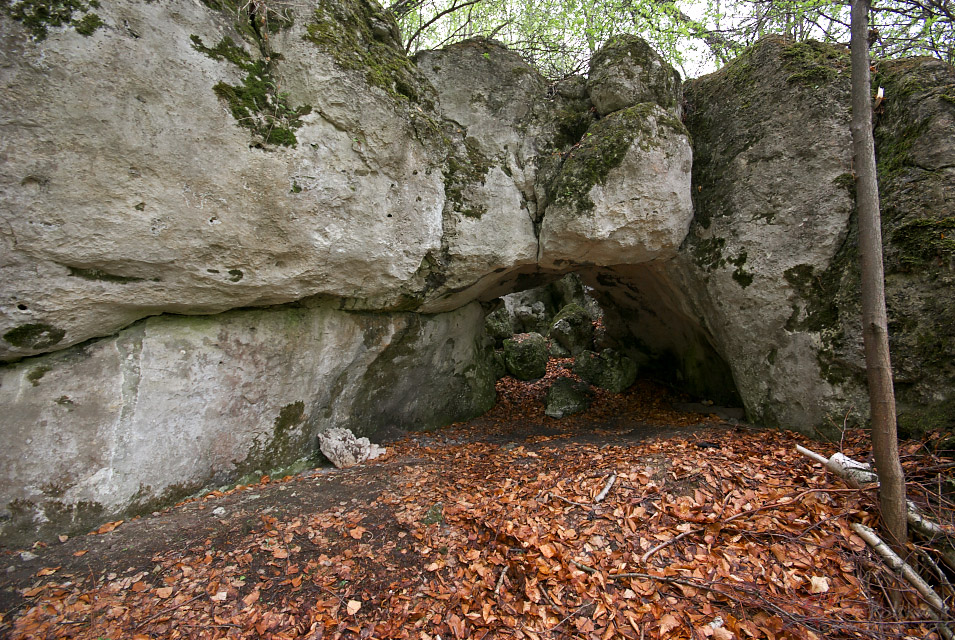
874	324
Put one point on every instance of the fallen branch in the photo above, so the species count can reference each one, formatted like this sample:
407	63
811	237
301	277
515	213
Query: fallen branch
663	545
603	493
500	581
167	610
857	475
901	568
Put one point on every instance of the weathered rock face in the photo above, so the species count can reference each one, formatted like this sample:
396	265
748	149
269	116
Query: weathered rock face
167	158
915	141
771	189
490	210
130	186
627	71
771	264
173	404
623	192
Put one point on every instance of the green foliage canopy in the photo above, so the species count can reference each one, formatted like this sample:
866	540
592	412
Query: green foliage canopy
560	36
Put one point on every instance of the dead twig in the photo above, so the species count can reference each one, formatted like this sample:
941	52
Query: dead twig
901	568
606	490
167	610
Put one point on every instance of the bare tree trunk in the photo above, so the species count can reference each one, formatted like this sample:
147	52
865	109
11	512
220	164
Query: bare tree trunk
874	324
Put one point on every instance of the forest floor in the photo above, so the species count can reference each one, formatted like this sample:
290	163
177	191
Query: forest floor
631	520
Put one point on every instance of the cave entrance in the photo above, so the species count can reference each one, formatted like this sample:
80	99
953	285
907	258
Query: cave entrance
637	311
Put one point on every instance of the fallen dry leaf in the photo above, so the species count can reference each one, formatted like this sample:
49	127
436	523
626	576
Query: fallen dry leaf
106	528
818	584
47	571
353	607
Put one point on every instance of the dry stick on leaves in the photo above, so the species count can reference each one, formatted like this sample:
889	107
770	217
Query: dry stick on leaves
500	581
167	610
603	493
741	514
713	587
858	475
901	568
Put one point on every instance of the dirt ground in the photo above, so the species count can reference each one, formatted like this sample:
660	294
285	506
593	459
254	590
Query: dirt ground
490	528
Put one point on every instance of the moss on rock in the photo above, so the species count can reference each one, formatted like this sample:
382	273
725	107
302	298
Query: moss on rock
526	356
360	36
566	397
34	336
604	147
815	63
38	16
289	442
256	104
608	369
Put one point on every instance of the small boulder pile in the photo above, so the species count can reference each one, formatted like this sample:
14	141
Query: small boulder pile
557	321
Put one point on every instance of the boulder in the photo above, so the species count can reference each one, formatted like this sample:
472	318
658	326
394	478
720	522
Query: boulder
622	194
498	325
173	404
772	191
573	329
488	220
526	356
158	223
344	450
626	71
608	369
531	317
566	397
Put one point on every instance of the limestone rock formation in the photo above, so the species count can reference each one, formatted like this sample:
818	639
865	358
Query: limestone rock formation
490	207
525	355
174	404
624	191
566	397
344	450
773	200
145	172
626	71
608	369
313	218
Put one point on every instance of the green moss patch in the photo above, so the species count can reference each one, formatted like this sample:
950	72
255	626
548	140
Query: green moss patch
360	36
34	336
814	62
288	442
256	104
603	148
38	16
37	374
461	171
924	242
